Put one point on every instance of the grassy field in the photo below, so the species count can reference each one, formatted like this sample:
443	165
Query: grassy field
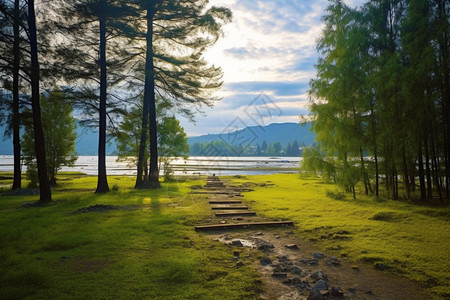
148	253
150	250
412	240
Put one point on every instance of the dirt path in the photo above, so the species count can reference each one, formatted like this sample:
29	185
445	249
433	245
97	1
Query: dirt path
291	268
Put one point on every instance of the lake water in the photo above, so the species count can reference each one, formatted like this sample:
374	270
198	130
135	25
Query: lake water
204	165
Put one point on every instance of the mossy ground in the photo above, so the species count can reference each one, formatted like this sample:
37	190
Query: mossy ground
413	240
148	253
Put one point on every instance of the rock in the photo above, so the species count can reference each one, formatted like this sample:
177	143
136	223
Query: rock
319	255
315	295
237	243
239	264
291	246
265	261
319	275
279	275
296	270
382	267
336	291
259	233
265	246
355	267
236	254
222	222
313	262
321	285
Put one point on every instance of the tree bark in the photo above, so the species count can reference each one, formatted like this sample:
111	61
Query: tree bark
149	96
423	194
17	182
44	186
102	180
428	171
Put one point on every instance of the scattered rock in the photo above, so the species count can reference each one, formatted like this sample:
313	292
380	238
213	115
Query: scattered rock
319	275
382	266
265	261
237	243
315	295
321	285
336	291
319	255
291	246
296	270
265	246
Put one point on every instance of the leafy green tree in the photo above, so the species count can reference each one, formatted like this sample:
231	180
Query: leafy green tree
172	140
59	134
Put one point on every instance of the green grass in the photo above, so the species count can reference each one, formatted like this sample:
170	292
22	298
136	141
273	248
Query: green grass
151	252
413	240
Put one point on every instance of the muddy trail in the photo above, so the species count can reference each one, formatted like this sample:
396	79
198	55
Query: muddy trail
289	267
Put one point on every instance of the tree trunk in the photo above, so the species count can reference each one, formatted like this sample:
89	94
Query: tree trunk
149	96
44	186
428	171
102	180
406	175
423	194
17	182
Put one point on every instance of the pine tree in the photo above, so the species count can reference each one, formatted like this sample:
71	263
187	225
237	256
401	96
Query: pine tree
180	75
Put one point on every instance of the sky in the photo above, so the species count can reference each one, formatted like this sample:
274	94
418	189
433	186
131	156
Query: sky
267	55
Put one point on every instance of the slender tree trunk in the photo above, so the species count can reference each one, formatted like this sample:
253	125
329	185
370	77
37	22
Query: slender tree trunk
149	96
102	181
142	162
44	186
17	182
428	171
435	167
423	194
405	174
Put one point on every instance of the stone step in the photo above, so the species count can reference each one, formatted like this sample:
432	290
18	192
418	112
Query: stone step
226	207
243	225
233	213
225	201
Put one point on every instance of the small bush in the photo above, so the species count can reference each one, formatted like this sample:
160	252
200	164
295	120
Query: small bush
115	187
335	195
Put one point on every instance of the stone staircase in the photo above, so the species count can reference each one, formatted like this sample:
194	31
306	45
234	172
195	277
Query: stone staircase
229	211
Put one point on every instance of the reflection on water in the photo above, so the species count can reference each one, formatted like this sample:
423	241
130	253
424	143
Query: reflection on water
204	165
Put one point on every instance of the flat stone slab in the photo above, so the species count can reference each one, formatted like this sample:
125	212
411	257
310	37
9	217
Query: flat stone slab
232	213
225	202
231	206
243	225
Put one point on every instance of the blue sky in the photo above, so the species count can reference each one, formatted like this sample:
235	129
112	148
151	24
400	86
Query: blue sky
267	54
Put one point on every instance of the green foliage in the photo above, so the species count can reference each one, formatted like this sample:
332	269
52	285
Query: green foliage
59	134
172	140
372	100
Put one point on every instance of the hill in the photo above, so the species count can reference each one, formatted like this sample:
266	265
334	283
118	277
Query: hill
86	143
284	133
